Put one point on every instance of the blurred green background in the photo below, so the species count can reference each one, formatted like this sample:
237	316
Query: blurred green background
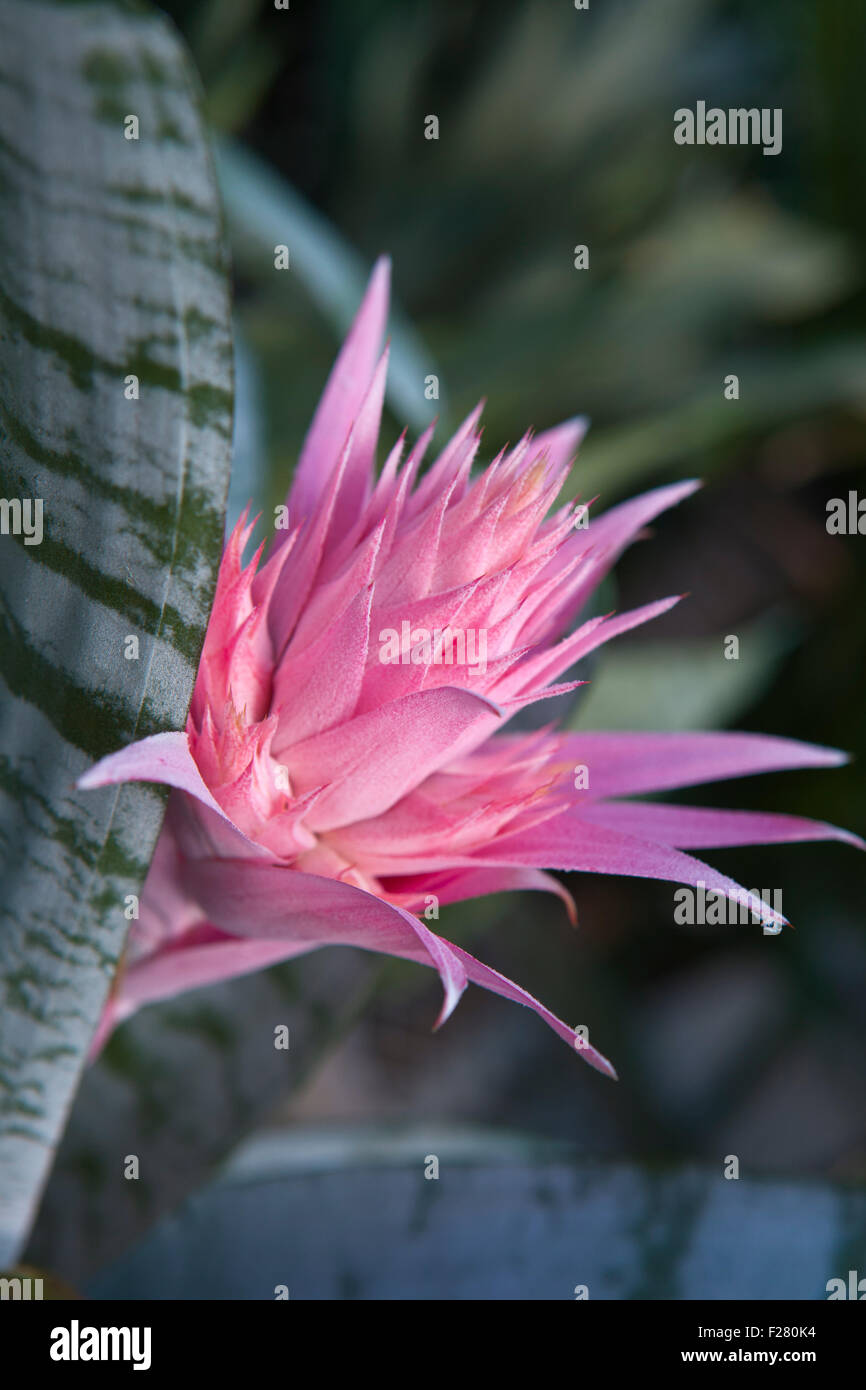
556	129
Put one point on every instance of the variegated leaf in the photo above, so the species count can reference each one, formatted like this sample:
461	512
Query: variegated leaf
115	413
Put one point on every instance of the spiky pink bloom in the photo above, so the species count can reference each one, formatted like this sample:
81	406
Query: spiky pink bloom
323	790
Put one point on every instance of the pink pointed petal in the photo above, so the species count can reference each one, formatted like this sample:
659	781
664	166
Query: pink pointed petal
320	687
478	883
696	827
203	956
483	975
511	704
622	764
201	833
567	841
272	903
295	584
551	662
356	483
375	759
613	530
561	443
164	758
341	400
329	600
386	485
319	912
408	573
388	494
604	541
440	475
271	572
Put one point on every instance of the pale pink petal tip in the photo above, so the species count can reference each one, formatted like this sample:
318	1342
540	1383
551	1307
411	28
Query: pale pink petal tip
601	1063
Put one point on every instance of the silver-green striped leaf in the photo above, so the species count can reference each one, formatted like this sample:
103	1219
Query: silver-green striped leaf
363	1213
111	267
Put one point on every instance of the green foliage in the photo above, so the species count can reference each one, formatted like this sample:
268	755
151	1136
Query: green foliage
111	267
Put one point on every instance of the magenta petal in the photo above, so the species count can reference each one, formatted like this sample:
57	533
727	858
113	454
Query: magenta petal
602	543
263	901
341	400
567	841
478	883
552	661
164	758
621	764
203	957
375	759
696	827
267	902
562	442
320	687
483	975
611	532
440	474
356	483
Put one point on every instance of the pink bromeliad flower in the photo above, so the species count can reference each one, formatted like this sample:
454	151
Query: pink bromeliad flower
346	752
